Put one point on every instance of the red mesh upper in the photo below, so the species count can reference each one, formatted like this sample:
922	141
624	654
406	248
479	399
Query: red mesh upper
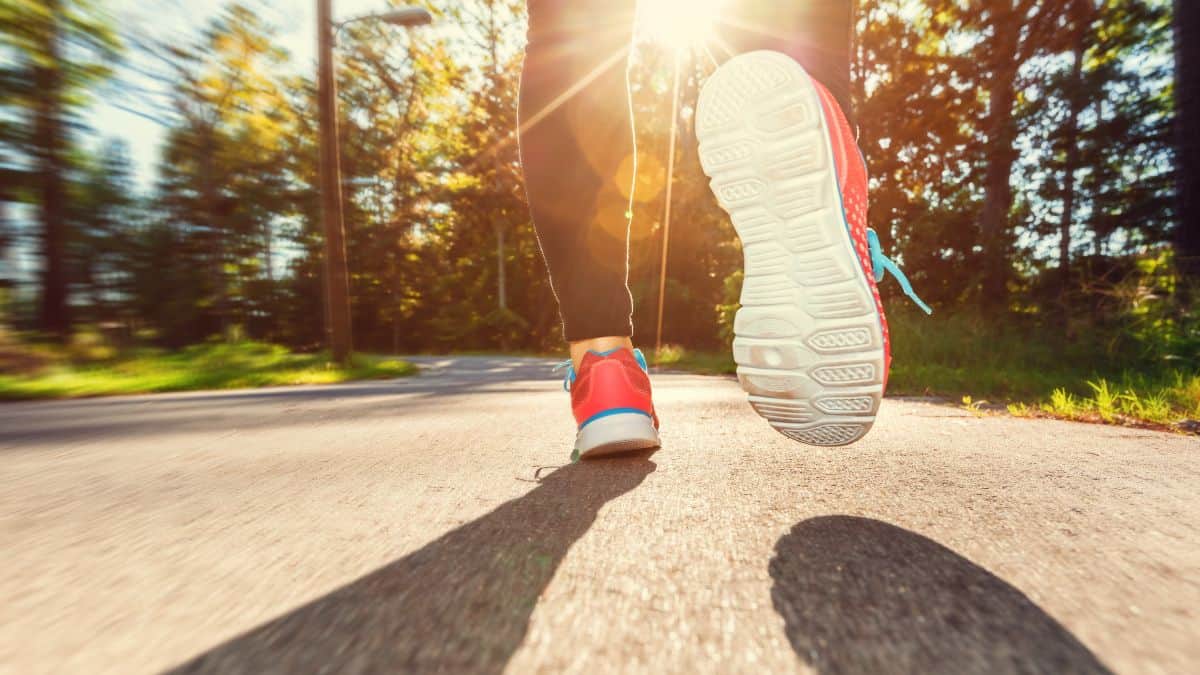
610	382
852	178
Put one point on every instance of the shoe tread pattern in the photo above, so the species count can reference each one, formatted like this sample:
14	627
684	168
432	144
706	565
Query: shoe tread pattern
809	344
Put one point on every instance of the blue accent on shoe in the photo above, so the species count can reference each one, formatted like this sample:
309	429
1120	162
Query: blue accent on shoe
882	265
879	262
570	365
614	411
641	359
849	233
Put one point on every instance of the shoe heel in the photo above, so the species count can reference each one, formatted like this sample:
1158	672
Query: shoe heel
616	434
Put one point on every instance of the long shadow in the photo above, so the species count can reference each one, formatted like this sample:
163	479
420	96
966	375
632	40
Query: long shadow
460	604
862	596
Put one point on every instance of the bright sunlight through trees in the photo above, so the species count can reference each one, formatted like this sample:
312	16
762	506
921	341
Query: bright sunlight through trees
680	24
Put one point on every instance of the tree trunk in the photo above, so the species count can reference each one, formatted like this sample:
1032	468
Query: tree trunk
6	225
268	242
1071	161
214	212
998	193
48	140
494	44
337	275
998	200
1187	121
396	305
501	279
272	313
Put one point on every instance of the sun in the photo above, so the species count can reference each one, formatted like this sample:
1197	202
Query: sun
679	24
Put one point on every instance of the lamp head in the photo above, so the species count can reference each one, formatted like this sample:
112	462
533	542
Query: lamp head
407	16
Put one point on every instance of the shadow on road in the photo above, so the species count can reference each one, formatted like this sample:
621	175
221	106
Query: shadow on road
460	604
862	596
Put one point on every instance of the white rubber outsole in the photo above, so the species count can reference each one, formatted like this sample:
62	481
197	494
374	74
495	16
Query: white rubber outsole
615	435
809	344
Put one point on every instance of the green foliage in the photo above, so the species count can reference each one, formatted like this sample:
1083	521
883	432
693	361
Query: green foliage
674	357
224	182
1134	358
727	310
1165	401
74	38
1019	410
1025	152
217	365
53	56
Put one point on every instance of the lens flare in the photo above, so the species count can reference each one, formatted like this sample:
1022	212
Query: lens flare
681	24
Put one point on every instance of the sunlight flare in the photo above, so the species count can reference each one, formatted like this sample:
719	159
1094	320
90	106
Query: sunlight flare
680	24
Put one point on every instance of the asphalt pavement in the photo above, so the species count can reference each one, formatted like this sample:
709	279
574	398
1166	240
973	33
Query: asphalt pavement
434	524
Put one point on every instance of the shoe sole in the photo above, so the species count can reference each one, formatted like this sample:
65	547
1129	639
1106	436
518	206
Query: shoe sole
616	435
808	338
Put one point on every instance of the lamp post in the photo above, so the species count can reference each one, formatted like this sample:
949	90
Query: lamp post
337	278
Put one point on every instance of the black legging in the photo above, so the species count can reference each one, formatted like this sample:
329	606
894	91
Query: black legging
576	144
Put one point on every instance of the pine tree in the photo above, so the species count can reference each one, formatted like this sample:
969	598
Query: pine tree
63	49
1011	34
1098	176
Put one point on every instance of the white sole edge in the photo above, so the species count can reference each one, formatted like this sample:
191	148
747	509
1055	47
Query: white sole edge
809	344
616	434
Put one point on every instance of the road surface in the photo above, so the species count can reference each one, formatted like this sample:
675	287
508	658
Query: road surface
431	524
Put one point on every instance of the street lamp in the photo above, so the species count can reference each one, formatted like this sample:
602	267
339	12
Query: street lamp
405	17
337	277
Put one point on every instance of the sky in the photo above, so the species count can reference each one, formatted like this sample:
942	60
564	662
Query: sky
181	20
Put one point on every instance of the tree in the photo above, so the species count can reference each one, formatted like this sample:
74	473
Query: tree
1011	34
1106	104
63	49
1080	15
225	170
490	126
1018	151
104	212
401	136
1187	93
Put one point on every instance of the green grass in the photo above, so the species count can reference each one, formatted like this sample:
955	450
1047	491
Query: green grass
1157	403
673	357
1088	376
971	360
207	366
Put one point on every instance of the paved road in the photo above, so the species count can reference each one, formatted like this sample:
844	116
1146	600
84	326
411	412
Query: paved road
429	525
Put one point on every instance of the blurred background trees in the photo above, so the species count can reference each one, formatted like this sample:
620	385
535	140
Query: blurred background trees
56	53
1023	162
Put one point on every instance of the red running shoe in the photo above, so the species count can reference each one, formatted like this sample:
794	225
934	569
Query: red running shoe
811	338
610	396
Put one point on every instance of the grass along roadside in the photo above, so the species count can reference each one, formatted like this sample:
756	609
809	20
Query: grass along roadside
1161	404
57	374
1006	376
1164	400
